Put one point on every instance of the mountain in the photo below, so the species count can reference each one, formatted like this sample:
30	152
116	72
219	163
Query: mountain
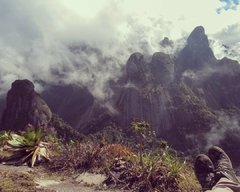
24	106
190	99
183	97
70	102
196	54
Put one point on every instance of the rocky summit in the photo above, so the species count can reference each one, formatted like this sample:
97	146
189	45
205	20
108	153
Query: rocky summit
24	106
196	54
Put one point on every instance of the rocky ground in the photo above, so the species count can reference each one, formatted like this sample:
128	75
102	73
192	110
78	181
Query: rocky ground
23	178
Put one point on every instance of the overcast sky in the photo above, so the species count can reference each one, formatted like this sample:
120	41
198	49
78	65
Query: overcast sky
35	35
181	15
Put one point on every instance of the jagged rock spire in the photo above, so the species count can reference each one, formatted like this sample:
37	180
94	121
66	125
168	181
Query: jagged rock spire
198	40
196	54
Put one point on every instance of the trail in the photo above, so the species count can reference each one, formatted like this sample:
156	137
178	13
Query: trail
86	182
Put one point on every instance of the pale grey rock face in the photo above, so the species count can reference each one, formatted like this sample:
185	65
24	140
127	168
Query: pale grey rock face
24	106
148	104
142	96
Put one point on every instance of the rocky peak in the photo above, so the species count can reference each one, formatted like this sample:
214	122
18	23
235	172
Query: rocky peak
196	54
198	39
22	86
24	106
136	69
166	42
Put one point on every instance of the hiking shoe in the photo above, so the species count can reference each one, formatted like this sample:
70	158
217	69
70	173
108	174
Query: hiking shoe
222	164
204	171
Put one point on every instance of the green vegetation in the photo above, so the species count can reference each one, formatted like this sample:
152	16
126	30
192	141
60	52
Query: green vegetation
63	130
143	134
27	147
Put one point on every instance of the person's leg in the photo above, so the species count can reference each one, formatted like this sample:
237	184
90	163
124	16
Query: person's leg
225	185
222	164
224	174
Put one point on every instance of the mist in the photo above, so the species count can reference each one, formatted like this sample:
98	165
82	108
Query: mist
218	132
49	43
69	42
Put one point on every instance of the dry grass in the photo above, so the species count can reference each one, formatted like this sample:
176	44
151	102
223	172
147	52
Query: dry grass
79	157
75	157
130	176
188	181
160	172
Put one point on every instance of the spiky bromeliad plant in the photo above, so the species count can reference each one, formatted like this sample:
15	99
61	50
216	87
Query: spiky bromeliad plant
27	147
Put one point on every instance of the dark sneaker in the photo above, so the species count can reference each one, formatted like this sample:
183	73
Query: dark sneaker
222	164
204	171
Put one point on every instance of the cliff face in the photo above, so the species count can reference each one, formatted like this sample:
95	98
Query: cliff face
24	106
162	68
142	96
70	102
221	87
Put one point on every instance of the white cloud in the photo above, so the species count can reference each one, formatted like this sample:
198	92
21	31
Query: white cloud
218	132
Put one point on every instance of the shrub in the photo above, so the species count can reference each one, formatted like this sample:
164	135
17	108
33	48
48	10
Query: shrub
27	147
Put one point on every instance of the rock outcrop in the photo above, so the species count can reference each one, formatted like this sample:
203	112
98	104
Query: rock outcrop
136	70
142	96
196	54
221	86
166	42
24	106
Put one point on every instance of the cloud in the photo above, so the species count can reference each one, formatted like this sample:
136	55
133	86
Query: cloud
225	43
229	35
36	40
49	43
222	50
218	132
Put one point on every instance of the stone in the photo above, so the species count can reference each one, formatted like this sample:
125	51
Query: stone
24	106
91	178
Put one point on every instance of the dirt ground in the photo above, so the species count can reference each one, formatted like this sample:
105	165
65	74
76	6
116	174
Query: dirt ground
26	179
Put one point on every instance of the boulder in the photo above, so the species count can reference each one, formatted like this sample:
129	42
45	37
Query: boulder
24	106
